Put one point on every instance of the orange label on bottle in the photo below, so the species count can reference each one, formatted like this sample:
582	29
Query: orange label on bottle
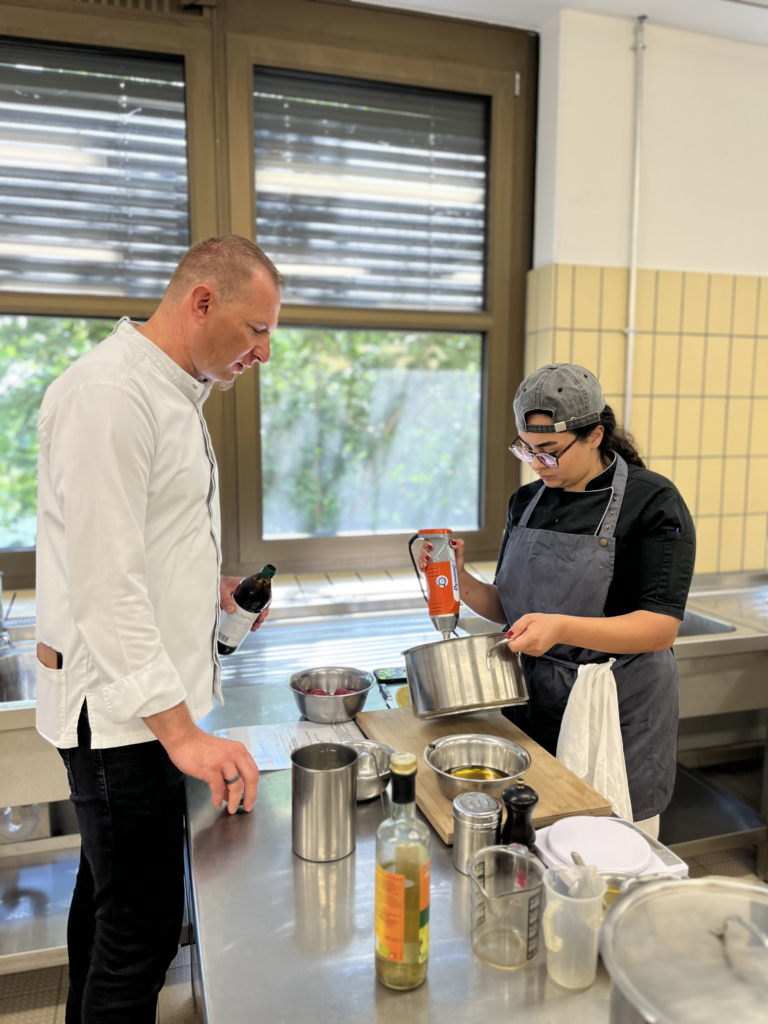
390	915
443	588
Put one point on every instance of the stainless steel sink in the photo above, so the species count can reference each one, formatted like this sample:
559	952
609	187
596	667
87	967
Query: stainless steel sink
694	624
17	672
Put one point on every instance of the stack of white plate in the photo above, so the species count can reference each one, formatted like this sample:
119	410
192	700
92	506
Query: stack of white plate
608	843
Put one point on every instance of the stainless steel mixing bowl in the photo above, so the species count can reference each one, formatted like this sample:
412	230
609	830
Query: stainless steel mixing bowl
470	750
370	785
330	709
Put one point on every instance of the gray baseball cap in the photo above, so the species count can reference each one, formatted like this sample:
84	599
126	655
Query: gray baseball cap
569	393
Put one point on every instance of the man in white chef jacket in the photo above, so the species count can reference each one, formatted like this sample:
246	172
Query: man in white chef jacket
128	598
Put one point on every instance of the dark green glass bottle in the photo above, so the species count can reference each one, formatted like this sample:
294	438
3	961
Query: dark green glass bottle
252	596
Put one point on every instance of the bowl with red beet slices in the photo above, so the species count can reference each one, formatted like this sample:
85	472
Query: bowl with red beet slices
330	695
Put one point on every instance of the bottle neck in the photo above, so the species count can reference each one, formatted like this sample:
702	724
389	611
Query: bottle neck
403	796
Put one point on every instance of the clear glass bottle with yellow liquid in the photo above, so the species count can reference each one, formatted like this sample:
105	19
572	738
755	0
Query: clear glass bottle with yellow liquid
402	885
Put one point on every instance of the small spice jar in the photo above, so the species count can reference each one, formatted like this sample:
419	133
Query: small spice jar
476	823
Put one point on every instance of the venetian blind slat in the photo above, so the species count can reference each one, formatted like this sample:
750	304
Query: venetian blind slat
93	170
371	195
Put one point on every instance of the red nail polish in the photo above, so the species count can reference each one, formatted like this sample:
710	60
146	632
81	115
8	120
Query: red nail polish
510	635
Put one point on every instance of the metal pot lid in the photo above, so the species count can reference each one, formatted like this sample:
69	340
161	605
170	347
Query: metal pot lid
477	809
690	952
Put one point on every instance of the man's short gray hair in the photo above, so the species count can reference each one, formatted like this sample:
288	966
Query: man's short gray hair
227	263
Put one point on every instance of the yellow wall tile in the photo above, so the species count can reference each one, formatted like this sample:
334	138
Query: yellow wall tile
710	487
720	304
762	307
585	349
741	378
738	416
563	347
545	296
686	479
716	355
731	544
662	440
665	364
586	298
734	486
706	544
761	363
758	441
616	402
614	306
563	294
757	493
713	426
641	408
745	306
532	301
646	299
669	293
688	423
613	348
695	297
756	542
691	364
643	363
543	349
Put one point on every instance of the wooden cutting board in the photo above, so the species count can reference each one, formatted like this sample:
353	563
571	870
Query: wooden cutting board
561	793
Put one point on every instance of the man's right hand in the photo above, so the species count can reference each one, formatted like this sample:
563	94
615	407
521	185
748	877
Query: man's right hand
206	757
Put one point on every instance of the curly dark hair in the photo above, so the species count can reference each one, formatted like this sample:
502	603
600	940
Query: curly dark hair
615	439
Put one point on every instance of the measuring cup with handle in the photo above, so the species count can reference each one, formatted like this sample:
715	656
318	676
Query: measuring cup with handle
506	901
571	924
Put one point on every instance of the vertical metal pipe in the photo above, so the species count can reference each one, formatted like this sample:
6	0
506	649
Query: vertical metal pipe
629	374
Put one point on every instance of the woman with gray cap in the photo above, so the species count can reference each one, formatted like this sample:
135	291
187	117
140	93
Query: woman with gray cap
595	564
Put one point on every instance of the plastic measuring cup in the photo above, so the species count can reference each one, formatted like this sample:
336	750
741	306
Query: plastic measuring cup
571	924
506	888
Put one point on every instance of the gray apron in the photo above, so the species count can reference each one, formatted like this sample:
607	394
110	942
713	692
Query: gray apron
569	574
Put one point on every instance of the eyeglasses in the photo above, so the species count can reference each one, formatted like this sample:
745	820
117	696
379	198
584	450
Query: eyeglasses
546	459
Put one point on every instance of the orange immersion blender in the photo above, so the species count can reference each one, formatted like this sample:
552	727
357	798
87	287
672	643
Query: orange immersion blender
442	595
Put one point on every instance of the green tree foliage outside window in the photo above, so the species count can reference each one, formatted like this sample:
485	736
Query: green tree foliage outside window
34	351
370	431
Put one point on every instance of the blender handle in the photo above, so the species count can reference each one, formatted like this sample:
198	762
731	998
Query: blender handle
416	568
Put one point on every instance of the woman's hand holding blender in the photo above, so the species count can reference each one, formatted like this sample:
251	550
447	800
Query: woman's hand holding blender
482	598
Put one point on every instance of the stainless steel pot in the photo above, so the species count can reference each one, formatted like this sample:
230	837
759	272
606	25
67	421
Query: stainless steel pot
678	952
453	676
323	799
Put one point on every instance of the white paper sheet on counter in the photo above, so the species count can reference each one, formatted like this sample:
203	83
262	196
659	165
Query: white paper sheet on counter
271	745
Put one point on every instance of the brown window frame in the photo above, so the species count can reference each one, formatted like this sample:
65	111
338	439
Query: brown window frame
220	47
510	200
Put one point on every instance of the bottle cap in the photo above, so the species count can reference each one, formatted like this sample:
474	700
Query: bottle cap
268	571
403	764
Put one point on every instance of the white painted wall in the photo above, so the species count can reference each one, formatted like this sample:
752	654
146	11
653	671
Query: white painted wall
705	158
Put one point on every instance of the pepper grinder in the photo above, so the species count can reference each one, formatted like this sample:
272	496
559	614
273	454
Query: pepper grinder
520	801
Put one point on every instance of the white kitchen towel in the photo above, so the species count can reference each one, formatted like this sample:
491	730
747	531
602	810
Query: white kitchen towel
590	736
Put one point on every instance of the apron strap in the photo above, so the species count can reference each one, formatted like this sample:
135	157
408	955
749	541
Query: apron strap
531	506
607	525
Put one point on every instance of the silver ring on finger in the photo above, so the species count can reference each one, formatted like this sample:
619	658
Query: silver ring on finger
233	780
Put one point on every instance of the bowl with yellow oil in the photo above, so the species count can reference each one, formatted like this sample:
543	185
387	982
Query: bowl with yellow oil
474	763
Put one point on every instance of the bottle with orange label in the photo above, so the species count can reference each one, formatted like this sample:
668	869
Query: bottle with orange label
402	885
442	580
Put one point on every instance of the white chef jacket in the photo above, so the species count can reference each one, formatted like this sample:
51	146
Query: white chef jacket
128	544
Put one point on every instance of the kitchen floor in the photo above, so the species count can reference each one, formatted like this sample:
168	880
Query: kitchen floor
39	997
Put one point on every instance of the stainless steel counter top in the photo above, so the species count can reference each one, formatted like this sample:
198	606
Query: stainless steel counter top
289	942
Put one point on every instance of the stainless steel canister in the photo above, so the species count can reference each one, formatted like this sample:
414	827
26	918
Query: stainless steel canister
476	824
323	801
